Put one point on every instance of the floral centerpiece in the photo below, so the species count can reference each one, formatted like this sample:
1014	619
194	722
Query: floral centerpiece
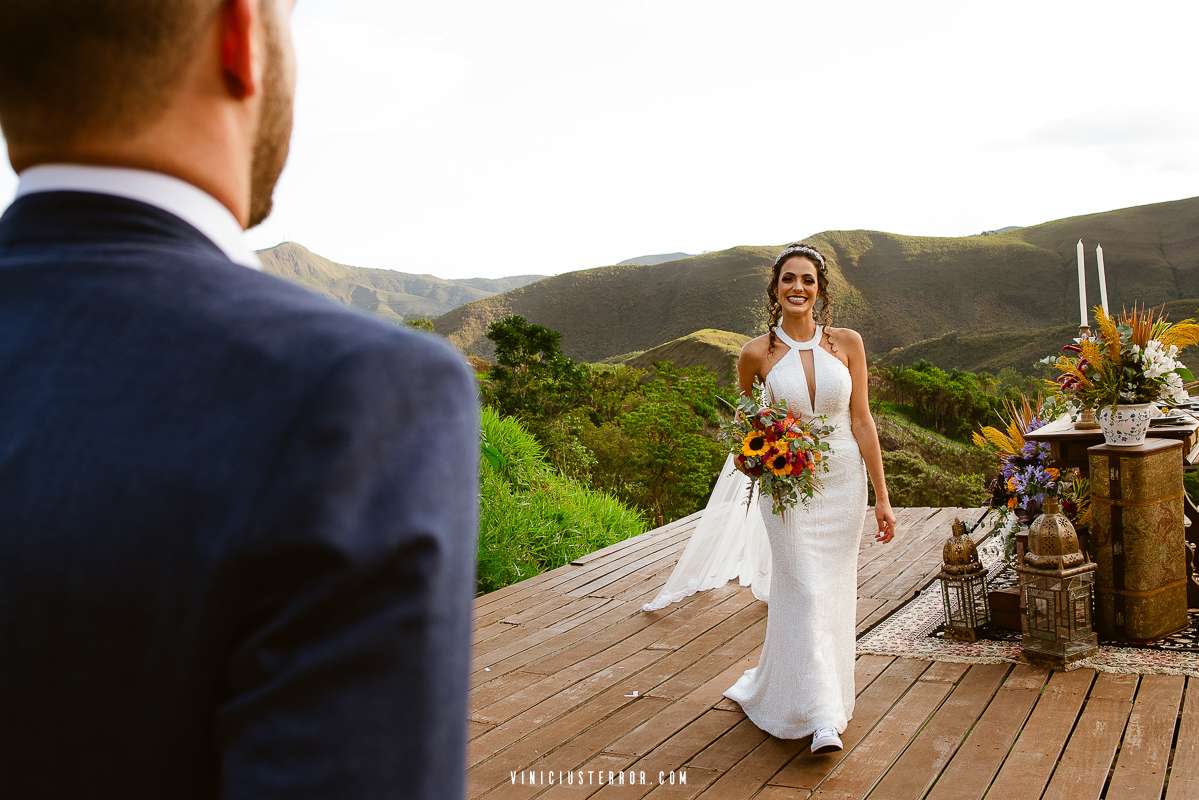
1130	365
782	452
1025	477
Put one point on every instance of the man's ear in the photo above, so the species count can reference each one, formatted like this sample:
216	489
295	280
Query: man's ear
238	47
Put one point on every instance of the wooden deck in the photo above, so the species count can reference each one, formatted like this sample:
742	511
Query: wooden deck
569	676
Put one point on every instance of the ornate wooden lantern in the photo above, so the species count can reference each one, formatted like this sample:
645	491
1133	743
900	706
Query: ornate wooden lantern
963	587
1058	586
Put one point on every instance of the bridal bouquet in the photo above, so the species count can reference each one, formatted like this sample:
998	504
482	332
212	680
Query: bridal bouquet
784	454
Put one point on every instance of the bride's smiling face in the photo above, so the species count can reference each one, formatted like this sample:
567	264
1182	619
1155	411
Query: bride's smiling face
797	288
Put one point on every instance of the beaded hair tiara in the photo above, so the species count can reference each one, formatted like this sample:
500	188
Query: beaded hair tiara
800	249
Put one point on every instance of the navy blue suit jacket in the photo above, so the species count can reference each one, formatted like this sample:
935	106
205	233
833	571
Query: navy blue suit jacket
237	524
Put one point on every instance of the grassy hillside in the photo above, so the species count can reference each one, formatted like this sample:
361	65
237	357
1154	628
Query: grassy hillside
1018	348
897	290
612	310
991	351
710	348
924	468
391	294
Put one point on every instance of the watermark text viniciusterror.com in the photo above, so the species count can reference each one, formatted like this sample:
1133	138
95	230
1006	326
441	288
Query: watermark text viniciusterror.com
598	777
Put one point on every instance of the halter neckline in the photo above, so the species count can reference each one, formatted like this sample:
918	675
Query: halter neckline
808	345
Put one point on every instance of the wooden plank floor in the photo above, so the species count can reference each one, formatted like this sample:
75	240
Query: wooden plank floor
571	682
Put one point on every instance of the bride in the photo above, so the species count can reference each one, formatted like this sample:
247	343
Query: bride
804	563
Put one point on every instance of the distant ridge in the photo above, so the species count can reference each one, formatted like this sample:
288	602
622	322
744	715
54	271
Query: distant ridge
896	290
390	294
649	261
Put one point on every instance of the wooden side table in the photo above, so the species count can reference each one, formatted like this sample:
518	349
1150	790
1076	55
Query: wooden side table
1068	448
1137	540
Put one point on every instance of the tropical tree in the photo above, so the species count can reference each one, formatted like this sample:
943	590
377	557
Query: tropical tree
532	379
666	443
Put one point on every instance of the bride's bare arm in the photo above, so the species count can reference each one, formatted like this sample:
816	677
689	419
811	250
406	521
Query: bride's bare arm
747	366
866	433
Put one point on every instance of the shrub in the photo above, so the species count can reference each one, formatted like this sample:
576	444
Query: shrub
912	481
531	518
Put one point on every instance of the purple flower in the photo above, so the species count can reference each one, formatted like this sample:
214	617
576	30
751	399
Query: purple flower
1035	451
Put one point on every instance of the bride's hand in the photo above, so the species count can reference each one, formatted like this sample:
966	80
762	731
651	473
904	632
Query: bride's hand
886	522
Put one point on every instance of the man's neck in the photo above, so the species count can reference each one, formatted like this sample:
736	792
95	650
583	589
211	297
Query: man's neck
199	161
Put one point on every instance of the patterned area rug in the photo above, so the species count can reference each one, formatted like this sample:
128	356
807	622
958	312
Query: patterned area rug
915	630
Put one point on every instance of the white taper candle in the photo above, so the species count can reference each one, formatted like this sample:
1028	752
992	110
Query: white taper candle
1082	288
1102	278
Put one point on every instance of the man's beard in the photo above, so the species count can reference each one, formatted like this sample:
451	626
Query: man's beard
274	125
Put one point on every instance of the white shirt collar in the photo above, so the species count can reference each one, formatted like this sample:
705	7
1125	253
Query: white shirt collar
191	204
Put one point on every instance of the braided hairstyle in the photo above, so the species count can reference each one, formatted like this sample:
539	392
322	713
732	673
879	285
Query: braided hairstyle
823	315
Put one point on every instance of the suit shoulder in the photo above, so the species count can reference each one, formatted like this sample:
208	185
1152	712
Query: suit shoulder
290	328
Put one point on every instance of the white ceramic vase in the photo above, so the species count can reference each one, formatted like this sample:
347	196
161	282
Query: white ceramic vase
1126	426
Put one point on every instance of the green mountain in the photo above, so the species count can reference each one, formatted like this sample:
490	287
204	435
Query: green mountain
391	294
896	290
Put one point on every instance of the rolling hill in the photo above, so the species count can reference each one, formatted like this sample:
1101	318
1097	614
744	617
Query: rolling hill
391	294
896	290
716	350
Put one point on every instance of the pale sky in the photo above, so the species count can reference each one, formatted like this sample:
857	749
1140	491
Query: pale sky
485	139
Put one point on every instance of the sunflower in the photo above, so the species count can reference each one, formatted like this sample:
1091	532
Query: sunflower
755	444
777	462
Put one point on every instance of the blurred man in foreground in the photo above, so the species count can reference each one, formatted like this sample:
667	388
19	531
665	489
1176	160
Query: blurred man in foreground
237	521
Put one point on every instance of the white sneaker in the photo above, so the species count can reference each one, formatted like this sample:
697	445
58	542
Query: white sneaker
826	740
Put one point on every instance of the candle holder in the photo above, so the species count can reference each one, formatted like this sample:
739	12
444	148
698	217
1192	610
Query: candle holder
1087	421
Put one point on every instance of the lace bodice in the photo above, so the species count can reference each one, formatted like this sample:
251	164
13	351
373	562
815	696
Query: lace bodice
786	381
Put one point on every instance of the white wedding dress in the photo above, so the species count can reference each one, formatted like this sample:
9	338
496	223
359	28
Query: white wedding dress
803	563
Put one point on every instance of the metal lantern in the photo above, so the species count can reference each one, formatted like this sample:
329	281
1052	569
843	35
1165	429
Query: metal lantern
963	587
1058	585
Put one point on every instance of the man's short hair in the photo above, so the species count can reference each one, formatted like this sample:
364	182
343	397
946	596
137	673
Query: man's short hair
78	67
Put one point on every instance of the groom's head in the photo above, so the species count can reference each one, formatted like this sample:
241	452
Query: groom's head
197	88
